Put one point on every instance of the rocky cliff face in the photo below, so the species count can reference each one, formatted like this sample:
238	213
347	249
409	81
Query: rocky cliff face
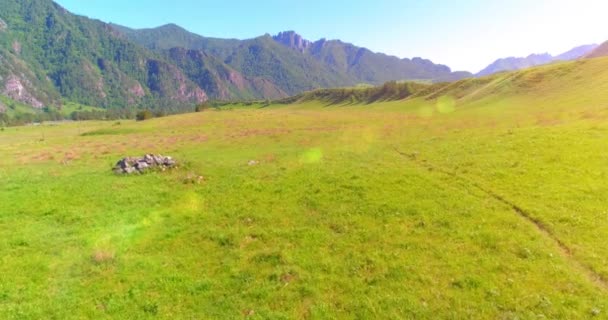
169	82
15	89
292	40
20	83
219	80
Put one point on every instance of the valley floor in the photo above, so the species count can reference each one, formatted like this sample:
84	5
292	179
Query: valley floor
387	211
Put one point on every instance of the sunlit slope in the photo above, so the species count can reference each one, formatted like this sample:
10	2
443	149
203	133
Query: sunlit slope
575	85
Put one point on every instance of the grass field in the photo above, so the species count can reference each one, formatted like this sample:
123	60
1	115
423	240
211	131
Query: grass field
483	199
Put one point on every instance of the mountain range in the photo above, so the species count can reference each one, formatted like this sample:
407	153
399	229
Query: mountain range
49	56
518	63
321	63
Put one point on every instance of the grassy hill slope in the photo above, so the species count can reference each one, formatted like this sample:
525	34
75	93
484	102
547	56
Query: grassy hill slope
581	82
480	199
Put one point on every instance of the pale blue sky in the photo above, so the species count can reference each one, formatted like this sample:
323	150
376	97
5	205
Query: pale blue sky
465	34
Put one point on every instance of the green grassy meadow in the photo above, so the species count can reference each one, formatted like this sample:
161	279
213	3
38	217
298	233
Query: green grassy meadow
481	199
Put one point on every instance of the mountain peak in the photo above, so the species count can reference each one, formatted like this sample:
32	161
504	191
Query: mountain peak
539	55
292	39
171	26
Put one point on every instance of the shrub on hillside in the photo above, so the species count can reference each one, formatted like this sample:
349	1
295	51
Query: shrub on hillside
144	115
4	119
202	107
160	114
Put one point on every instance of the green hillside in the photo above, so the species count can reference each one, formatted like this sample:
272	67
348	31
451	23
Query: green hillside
54	54
221	81
293	63
478	199
366	66
49	56
173	36
262	57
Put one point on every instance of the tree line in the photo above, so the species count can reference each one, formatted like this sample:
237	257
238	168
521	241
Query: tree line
51	114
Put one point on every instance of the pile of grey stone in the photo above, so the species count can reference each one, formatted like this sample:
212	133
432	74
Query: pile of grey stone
131	165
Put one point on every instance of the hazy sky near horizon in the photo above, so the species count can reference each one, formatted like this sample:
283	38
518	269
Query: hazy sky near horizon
465	35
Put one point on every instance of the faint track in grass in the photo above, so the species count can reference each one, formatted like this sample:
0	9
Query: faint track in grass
596	278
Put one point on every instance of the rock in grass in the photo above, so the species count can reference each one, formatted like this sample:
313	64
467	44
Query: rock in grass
131	165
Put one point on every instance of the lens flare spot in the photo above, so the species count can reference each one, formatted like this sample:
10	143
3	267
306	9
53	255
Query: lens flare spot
446	104
313	155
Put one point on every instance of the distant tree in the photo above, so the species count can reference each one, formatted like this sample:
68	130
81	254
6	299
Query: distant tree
160	113
202	107
4	120
144	115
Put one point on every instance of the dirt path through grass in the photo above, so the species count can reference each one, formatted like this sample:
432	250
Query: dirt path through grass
564	250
